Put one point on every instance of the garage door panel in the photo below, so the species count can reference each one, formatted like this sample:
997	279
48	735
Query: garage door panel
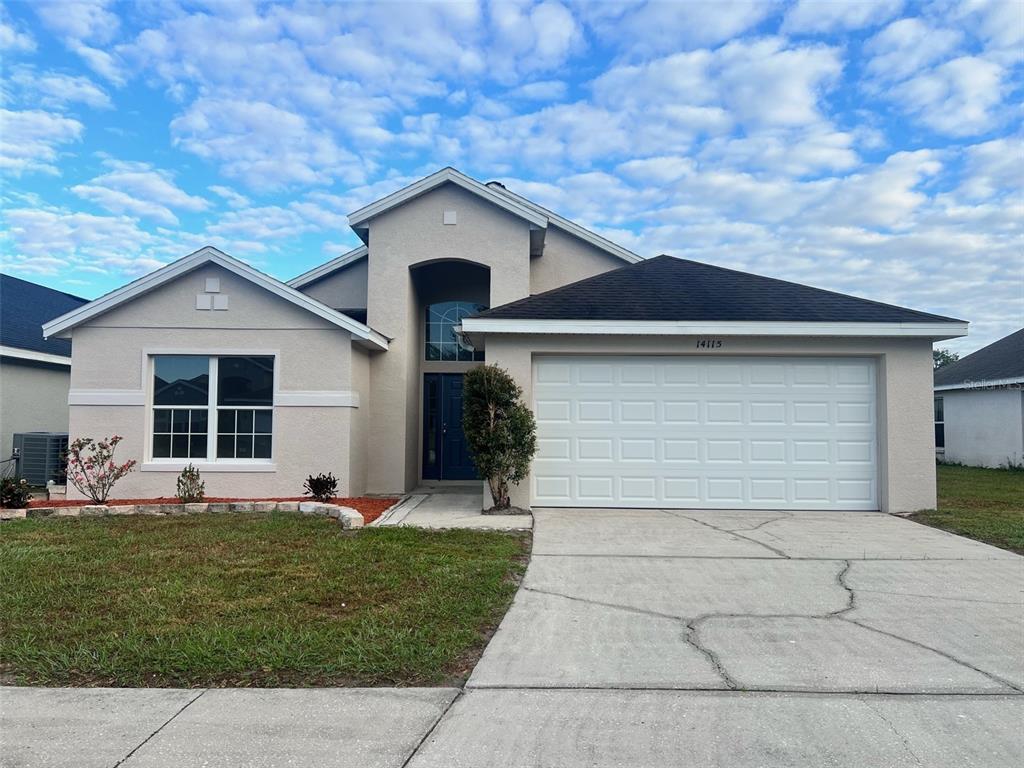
685	432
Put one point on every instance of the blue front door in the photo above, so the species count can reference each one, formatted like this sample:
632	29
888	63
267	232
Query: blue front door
445	453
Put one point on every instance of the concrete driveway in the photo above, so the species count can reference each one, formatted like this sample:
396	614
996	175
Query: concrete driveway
659	638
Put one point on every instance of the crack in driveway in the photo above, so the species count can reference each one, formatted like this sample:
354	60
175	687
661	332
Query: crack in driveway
726	531
691	634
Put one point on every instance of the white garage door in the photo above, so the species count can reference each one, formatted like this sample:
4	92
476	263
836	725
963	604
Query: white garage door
699	432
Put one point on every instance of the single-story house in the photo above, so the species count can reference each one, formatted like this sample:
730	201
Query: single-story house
35	373
657	382
979	406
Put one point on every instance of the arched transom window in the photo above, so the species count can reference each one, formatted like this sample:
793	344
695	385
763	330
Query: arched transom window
441	341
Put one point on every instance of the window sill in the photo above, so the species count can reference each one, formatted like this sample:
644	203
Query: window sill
208	466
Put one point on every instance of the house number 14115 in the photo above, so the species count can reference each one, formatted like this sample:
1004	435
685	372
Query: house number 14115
709	343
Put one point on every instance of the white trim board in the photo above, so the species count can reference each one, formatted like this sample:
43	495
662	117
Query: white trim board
106	397
358	219
982	384
211	255
31	354
324	399
709	328
211	467
346	259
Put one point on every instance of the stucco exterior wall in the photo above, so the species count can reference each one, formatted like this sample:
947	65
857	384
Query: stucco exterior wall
905	426
413	234
344	289
984	426
111	363
567	259
33	398
359	441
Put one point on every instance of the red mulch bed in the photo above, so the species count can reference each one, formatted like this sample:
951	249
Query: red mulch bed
369	508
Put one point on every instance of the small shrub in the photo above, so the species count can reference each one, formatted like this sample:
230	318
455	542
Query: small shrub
499	428
14	493
321	487
191	488
92	469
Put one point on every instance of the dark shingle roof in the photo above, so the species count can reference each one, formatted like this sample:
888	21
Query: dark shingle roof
668	288
24	307
1003	359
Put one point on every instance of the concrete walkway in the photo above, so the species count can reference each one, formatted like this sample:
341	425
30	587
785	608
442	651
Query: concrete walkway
451	507
642	639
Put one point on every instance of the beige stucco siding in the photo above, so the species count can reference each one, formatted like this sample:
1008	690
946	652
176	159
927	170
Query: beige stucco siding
344	289
112	359
360	435
905	431
33	398
567	259
413	234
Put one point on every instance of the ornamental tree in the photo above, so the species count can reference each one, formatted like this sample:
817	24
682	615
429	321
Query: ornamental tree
92	469
499	429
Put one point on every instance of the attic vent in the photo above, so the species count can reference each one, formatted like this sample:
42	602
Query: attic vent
40	456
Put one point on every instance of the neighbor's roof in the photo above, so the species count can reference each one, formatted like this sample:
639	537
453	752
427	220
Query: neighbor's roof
1001	362
24	307
669	290
360	332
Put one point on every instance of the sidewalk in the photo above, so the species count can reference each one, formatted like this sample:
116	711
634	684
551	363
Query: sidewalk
216	728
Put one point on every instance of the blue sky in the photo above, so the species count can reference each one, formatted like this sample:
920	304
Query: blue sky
868	147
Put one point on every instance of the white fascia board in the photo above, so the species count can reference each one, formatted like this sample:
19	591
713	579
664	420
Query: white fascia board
576	230
211	255
358	219
31	354
984	384
331	266
733	328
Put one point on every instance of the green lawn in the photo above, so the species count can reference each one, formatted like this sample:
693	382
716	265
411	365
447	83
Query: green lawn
984	504
247	600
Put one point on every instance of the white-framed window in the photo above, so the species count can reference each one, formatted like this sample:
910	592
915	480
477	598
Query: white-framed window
213	408
940	425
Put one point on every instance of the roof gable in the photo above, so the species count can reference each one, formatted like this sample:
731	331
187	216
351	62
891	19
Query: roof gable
1001	361
332	266
669	290
359	219
210	255
24	307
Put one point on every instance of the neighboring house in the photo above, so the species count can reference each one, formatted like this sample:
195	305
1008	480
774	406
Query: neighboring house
979	406
661	383
34	372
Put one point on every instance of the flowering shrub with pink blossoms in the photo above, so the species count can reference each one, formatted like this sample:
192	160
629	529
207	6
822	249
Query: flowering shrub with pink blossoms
92	469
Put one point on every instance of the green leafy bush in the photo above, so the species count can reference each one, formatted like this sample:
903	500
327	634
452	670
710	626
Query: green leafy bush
499	429
191	489
14	493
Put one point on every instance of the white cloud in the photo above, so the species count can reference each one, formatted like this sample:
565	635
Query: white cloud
78	19
816	16
29	140
957	98
138	189
542	90
659	27
11	39
55	89
907	47
233	198
262	145
994	169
